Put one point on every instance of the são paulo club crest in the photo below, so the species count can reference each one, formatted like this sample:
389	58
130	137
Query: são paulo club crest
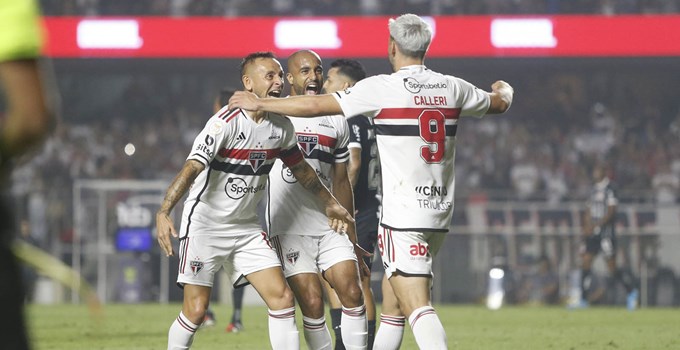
196	266
292	256
256	159
307	142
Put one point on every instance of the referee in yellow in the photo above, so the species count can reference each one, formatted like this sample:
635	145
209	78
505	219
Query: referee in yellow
25	122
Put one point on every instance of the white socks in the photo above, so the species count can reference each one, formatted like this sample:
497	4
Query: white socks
181	333
354	327
427	329
390	332
316	333
283	333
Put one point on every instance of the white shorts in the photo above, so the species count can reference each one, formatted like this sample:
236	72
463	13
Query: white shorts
312	254
408	252
201	256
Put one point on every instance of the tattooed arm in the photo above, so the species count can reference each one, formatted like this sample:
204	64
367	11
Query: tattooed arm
338	218
180	185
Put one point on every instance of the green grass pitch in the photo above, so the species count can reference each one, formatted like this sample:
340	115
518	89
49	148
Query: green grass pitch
145	326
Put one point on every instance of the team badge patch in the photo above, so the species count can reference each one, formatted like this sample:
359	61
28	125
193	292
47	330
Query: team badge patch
292	256
307	142
196	266
256	159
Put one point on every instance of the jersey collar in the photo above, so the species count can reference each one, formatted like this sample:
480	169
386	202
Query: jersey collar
416	68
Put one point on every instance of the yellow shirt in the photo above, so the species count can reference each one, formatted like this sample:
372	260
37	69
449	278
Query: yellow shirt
20	30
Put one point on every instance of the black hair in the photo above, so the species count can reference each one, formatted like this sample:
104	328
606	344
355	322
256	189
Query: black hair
252	57
350	68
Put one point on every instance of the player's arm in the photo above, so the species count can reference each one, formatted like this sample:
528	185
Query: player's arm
354	165
501	97
179	186
29	117
338	218
587	222
297	106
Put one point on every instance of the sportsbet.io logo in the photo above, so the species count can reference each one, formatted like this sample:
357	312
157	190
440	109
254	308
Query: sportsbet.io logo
414	86
237	188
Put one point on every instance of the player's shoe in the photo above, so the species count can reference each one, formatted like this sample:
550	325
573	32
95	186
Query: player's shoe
632	300
209	319
234	327
580	304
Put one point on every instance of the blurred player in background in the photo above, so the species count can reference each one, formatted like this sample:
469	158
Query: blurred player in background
24	125
297	225
364	175
415	111
236	324
225	175
599	235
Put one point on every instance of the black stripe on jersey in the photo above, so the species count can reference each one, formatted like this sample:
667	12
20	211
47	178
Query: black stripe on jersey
322	156
240	169
201	156
340	150
408	130
416	229
193	207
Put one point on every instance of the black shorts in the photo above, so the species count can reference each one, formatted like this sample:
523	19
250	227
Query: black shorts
367	234
604	241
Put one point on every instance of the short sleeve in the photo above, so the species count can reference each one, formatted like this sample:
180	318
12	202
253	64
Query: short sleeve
359	99
473	101
341	153
355	135
209	141
20	30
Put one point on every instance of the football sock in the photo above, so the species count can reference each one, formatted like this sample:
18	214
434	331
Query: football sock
181	333
390	332
427	329
316	333
336	315
283	333
237	301
354	327
371	333
585	283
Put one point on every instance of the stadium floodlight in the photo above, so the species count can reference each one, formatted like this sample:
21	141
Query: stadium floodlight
496	293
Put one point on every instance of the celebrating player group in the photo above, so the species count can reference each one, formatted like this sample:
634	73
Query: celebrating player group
396	135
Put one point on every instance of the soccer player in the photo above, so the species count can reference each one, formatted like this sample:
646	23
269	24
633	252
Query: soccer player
599	235
415	111
296	222
236	323
364	175
225	175
25	124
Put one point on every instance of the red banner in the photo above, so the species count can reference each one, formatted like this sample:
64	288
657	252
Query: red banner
468	36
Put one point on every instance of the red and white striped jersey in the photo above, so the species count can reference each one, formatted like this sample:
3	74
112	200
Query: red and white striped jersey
415	111
238	154
291	209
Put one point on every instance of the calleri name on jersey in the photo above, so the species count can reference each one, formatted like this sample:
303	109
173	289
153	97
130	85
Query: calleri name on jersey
238	155
415	111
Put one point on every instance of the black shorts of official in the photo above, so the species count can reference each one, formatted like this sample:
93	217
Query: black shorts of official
367	234
604	242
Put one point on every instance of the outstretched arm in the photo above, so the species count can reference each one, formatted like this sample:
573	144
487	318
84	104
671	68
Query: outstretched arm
338	218
501	97
180	185
295	106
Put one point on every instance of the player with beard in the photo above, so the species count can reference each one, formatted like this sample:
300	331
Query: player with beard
225	175
296	222
416	112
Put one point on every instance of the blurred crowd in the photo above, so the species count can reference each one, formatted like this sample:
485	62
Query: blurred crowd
231	8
